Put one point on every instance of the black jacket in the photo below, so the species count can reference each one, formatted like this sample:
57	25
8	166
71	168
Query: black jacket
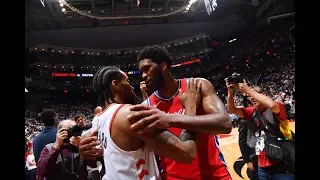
246	151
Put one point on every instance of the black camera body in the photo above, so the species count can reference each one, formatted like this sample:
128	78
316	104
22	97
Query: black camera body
73	131
235	78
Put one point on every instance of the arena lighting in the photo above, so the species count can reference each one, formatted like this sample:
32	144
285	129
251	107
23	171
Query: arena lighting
190	4
71	75
90	15
210	5
26	90
42	2
232	40
186	63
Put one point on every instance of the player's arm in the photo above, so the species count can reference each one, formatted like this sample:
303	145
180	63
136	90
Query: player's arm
217	120
162	142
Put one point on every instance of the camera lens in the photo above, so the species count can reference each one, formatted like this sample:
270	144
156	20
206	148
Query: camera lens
77	130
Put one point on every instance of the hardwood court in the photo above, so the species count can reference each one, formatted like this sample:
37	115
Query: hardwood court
231	151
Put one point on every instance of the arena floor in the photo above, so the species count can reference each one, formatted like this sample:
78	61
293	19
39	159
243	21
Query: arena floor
231	151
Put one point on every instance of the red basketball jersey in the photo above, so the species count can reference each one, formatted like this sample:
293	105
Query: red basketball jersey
209	162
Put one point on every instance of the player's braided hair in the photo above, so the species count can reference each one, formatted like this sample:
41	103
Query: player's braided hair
102	83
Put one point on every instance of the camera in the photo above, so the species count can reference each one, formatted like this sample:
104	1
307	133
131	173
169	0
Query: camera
235	78
73	131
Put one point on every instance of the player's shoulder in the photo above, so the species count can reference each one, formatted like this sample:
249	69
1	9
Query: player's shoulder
120	120
123	111
206	85
202	80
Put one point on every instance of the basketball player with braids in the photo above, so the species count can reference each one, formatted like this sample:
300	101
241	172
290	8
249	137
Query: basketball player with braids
212	117
128	155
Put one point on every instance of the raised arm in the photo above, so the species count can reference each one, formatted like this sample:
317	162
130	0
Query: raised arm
232	108
260	97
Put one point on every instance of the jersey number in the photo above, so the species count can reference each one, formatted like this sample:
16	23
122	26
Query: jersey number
143	172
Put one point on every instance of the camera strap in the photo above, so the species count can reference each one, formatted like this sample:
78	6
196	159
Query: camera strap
73	163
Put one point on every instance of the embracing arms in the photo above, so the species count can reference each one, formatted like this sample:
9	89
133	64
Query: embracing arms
216	120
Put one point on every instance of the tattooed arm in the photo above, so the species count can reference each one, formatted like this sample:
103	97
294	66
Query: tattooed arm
170	146
217	120
162	142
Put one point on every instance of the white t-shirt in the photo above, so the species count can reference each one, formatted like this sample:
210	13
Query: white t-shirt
30	158
95	123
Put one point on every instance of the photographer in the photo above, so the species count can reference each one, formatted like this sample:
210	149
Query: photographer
248	153
263	128
60	160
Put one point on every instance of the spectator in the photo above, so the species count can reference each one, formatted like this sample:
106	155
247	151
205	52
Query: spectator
48	135
31	165
60	160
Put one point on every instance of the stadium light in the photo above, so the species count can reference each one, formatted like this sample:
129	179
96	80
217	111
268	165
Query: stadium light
232	40
42	2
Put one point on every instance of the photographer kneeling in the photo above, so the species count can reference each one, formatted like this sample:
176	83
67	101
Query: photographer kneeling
60	160
263	130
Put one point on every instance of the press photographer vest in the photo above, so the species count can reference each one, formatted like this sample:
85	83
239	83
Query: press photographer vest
278	141
270	125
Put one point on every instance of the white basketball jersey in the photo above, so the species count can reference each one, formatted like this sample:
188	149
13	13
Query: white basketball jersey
123	165
95	123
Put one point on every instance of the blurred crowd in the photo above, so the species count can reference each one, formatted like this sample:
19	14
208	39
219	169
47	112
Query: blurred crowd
278	80
272	65
64	111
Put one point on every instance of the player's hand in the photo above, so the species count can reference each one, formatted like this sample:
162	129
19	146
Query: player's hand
61	135
88	147
192	97
144	118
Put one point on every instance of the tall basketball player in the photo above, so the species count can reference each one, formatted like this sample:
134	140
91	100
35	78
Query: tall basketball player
128	155
212	118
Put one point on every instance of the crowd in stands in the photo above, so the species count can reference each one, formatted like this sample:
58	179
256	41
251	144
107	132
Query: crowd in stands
64	111
278	81
274	70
